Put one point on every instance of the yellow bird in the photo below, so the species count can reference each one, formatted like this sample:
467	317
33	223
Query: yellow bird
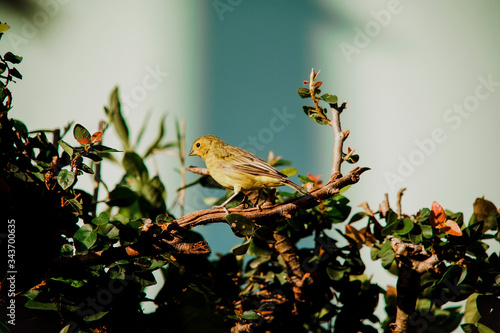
237	169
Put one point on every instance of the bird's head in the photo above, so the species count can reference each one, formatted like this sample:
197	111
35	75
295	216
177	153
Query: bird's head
203	145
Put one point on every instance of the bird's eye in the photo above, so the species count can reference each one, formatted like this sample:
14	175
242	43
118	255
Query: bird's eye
198	145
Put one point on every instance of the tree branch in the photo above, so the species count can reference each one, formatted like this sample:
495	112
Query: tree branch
413	261
338	135
285	209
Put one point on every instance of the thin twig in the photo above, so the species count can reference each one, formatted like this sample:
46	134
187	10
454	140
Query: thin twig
97	176
339	136
399	207
198	170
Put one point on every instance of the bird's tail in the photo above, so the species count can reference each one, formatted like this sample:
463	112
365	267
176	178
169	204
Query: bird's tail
288	182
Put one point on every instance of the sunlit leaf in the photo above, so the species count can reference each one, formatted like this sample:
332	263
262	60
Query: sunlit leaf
86	235
438	220
65	178
96	137
329	98
80	132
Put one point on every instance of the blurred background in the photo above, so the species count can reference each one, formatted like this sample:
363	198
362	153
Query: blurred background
421	79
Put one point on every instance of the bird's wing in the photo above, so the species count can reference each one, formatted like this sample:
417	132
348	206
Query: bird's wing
245	161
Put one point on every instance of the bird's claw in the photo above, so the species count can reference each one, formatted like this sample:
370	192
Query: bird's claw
223	207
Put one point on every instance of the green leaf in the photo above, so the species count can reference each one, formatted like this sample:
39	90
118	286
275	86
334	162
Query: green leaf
104	149
86	235
66	147
240	225
241	249
258	248
93	157
358	216
121	197
31	304
95	316
335	273
154	191
116	118
21	128
426	231
314	115
67	249
122	219
250	315
66	329
15	73
303	92
12	58
3	67
135	166
162	218
402	227
86	168
65	179
387	254
289	172
77	206
71	282
80	132
156	143
329	98
101	219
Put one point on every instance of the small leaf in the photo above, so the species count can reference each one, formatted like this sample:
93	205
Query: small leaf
241	249
84	141
65	178
94	157
21	128
96	137
116	118
121	197
258	248
240	225
387	254
86	168
314	115
67	148
250	315
15	73
135	166
12	58
101	219
289	172
439	221
31	304
303	92
104	149
86	235
330	99
80	132
95	316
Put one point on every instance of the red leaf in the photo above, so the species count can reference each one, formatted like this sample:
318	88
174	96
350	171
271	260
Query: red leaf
438	220
452	228
85	141
96	137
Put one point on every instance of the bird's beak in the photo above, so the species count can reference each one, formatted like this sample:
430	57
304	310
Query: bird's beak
191	153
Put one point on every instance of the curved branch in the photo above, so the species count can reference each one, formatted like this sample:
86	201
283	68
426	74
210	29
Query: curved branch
285	209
